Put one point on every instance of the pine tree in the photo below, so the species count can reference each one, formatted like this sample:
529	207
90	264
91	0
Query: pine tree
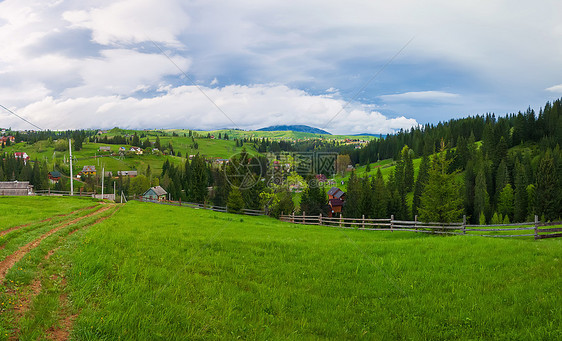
235	203
313	199
481	198
505	201
380	196
547	188
408	169
520	204
354	195
441	200
502	178
420	184
367	196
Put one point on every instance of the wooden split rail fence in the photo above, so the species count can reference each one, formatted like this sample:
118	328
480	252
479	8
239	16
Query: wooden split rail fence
534	229
203	206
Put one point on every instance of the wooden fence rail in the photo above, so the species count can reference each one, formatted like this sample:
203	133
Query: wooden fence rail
202	206
494	230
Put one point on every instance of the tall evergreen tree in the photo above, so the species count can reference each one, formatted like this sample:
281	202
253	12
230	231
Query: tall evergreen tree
505	202
520	203
380	196
235	203
408	169
313	199
420	184
481	197
441	201
502	178
547	191
354	195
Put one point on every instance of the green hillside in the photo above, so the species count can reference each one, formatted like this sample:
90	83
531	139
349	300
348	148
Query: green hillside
196	274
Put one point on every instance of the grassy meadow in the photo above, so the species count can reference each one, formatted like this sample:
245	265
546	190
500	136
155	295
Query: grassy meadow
196	274
18	210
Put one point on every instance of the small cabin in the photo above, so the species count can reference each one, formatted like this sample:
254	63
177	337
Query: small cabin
156	193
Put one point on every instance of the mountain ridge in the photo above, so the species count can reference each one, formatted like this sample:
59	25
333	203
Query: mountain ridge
295	127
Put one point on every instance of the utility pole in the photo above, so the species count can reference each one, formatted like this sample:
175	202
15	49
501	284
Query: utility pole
71	181
102	177
114	191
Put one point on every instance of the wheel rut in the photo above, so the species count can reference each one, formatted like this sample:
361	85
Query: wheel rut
12	259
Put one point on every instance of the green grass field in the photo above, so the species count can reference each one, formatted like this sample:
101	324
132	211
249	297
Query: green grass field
196	274
19	211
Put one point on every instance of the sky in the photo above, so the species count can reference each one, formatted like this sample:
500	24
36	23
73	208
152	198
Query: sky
347	67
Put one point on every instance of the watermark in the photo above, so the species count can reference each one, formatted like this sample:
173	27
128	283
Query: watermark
244	170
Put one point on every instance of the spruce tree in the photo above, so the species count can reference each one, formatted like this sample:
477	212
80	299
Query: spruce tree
421	181
354	195
547	191
505	202
441	200
481	198
502	178
520	204
408	169
380	196
235	203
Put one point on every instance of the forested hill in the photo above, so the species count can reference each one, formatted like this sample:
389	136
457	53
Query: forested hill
299	128
545	129
501	169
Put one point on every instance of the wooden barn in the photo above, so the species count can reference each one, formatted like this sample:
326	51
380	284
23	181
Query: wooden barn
18	188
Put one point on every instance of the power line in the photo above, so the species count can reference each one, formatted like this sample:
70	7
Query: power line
368	82
195	84
21	118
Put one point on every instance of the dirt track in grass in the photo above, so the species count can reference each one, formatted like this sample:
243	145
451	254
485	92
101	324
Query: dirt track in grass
12	259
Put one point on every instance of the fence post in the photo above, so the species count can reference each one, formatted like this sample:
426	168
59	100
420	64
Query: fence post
340	219
464	224
391	222
416	222
320	219
293	217
303	217
363	220
180	201
536	227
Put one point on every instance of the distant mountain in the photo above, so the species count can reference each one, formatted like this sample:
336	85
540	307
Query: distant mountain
299	128
369	134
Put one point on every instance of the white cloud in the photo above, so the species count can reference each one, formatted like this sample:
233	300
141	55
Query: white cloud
250	107
555	88
476	47
133	21
439	96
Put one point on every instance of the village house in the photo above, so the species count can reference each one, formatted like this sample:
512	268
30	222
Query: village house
136	150
130	174
22	155
105	149
122	149
5	139
336	198
54	176
18	188
155	193
88	170
221	161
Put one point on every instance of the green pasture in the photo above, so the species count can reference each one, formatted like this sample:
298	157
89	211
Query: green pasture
196	274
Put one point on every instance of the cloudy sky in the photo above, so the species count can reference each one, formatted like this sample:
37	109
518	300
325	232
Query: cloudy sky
348	67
